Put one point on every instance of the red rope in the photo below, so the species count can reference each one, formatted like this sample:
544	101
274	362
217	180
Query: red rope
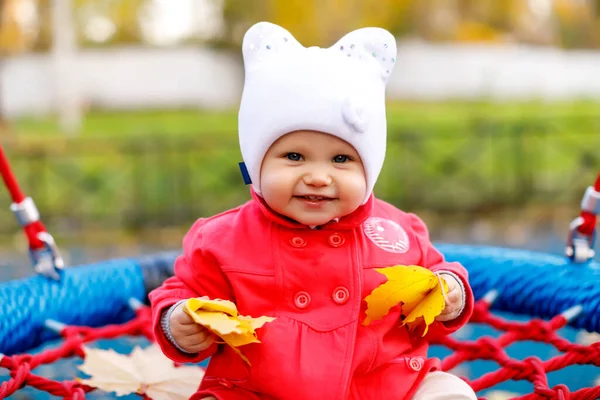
20	366
531	369
33	229
9	179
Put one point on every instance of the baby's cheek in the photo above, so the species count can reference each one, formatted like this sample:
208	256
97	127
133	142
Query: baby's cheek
353	195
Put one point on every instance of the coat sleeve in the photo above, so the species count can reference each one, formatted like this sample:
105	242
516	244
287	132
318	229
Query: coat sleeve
197	274
432	259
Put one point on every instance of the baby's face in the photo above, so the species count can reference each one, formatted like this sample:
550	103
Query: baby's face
312	177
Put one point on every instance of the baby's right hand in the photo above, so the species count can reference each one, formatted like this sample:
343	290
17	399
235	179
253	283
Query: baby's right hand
189	335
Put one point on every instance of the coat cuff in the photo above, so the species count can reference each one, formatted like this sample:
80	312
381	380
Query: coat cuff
165	324
462	289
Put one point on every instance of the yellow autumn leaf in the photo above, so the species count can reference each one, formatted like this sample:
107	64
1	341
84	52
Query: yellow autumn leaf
145	371
417	288
222	318
206	304
217	322
429	308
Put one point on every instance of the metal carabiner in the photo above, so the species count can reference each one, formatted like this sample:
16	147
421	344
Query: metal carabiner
580	247
47	260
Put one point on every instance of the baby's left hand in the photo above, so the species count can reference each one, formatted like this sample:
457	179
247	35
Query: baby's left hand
455	300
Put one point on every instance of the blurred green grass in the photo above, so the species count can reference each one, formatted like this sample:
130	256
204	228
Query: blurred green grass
454	116
136	124
136	170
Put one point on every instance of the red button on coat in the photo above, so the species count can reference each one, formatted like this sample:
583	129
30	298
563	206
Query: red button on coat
415	364
336	240
302	300
297	242
341	295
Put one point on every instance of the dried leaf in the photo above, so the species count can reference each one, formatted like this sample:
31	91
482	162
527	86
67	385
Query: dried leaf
218	305
501	395
429	308
145	371
417	288
222	318
216	321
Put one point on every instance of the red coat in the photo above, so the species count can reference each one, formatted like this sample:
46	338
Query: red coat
314	282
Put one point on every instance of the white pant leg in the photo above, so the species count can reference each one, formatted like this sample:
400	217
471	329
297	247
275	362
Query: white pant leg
439	385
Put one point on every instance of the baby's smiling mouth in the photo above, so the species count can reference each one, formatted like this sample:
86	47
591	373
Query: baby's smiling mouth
314	198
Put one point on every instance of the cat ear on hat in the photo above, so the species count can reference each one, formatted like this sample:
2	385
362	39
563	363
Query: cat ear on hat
264	40
371	45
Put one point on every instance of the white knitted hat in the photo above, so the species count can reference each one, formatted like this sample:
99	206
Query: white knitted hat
339	90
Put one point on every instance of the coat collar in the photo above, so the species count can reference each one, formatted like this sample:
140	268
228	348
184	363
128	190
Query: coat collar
350	221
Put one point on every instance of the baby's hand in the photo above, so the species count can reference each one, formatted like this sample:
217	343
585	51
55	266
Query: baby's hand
189	335
454	299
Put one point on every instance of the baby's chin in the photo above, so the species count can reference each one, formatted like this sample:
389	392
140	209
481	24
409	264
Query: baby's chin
312	220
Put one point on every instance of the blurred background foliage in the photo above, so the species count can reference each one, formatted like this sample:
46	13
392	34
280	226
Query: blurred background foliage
141	173
26	24
133	173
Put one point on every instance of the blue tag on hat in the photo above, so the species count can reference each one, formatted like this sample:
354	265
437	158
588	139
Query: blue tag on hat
245	173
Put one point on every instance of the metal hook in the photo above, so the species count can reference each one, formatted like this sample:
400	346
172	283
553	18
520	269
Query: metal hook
580	247
47	261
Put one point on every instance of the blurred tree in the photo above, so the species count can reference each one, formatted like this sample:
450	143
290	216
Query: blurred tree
2	14
119	17
126	15
464	20
315	22
567	23
576	23
13	39
483	20
105	22
44	37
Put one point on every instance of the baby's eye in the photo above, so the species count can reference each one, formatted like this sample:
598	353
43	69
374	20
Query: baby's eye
293	156
341	159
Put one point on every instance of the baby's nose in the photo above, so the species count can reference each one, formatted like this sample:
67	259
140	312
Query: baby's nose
317	179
